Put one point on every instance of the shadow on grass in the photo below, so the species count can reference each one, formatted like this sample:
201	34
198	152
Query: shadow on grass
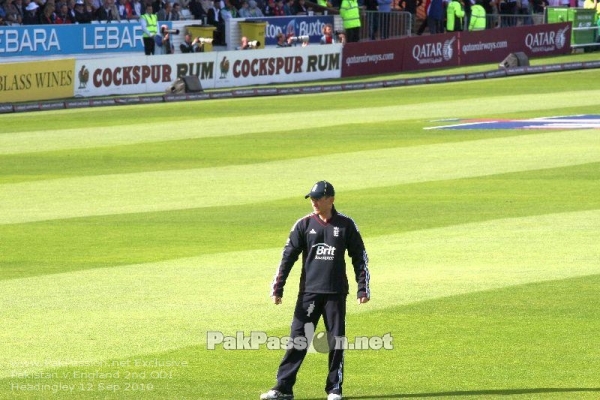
497	392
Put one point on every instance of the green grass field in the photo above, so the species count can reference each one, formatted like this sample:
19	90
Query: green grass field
127	233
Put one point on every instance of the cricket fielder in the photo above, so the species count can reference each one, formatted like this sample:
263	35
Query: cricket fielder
322	237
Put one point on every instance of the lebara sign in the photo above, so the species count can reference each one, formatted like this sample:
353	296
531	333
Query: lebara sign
42	40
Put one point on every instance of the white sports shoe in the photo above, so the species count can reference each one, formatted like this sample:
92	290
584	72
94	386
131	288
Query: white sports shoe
276	395
334	396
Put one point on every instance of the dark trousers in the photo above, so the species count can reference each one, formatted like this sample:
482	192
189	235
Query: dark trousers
352	35
149	45
309	308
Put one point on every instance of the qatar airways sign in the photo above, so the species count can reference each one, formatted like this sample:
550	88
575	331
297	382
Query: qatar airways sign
454	49
534	40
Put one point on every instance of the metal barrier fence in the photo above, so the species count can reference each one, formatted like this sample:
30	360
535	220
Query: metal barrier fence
512	20
385	25
592	34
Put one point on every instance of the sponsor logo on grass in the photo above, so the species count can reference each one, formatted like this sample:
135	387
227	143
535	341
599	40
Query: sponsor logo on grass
320	342
562	123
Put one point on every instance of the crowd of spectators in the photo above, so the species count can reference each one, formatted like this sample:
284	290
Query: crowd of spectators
214	12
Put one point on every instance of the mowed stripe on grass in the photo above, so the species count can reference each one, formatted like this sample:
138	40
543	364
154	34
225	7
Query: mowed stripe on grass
195	124
234	185
117	312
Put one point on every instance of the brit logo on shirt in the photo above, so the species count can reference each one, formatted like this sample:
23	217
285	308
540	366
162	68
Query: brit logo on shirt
336	231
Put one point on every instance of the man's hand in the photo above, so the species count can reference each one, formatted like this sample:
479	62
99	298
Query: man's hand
362	300
276	299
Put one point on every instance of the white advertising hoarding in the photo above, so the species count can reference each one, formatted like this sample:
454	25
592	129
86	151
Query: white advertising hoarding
228	69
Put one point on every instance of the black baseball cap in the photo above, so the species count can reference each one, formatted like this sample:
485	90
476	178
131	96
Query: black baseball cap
321	189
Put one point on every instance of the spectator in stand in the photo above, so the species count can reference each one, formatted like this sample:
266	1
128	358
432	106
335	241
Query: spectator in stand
454	16
31	16
300	8
508	10
164	14
371	7
96	5
467	8
126	10
137	7
410	6
253	10
525	8
108	12
48	17
197	10
539	6
15	12
424	22
176	13
278	9
3	11
244	11
71	9
207	4
82	13
288	9
229	11
491	12
62	16
215	18
384	7
477	21
269	9
158	5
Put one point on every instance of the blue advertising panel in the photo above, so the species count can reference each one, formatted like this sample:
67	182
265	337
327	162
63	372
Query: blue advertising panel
41	40
298	25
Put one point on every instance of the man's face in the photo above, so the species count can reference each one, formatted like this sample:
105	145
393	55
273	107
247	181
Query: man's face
328	30
322	205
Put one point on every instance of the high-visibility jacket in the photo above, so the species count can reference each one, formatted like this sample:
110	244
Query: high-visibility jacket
454	16
350	14
477	21
151	24
590	5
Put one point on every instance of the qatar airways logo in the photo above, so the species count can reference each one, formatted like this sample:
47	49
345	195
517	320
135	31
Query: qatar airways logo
324	251
546	41
434	52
